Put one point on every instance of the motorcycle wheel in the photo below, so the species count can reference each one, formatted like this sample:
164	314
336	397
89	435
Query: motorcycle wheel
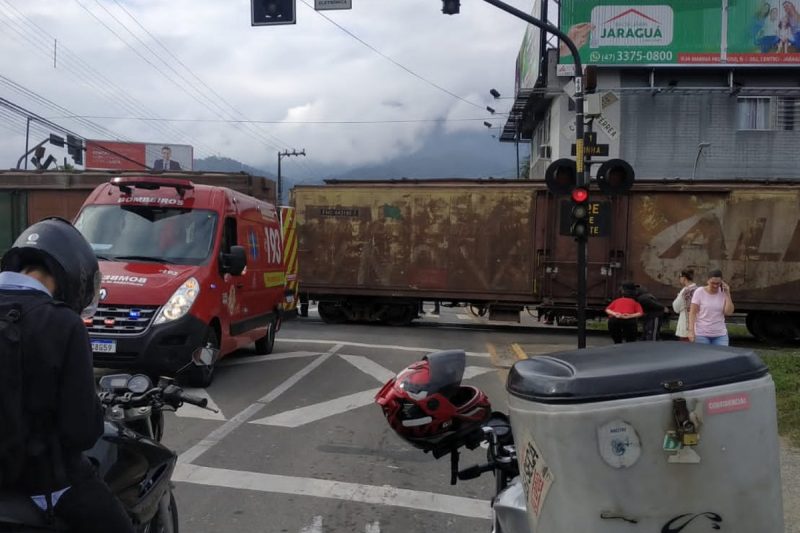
166	515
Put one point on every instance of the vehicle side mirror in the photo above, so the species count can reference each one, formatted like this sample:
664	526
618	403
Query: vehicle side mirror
205	356
234	262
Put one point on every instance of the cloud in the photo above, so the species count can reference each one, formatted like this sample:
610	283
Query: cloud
312	72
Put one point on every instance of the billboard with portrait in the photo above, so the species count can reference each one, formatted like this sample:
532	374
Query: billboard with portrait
114	155
681	32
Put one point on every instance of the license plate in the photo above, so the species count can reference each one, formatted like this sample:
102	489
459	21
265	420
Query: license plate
104	346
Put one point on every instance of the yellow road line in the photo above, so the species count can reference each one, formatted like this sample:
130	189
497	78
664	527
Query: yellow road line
518	351
493	354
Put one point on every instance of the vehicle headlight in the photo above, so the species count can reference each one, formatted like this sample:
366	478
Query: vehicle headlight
180	302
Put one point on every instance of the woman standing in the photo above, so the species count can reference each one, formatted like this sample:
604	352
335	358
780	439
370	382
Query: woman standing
710	305
683	303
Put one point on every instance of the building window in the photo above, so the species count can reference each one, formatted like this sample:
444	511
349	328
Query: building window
787	114
754	113
542	138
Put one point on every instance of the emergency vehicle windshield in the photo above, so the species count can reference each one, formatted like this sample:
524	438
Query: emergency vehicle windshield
147	233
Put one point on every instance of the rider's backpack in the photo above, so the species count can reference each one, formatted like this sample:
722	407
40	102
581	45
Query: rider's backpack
16	442
15	431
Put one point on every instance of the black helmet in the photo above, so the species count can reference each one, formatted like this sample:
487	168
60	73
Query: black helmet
57	245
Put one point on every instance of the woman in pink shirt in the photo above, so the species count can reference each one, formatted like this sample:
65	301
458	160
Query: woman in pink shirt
710	305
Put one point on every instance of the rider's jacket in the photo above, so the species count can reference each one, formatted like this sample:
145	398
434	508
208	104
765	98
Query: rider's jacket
64	413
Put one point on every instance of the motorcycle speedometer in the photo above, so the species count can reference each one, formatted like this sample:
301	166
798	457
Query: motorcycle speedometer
139	384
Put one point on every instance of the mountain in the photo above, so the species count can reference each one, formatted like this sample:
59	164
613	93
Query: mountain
226	164
453	155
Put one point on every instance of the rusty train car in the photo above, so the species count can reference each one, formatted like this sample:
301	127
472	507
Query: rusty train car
29	196
375	250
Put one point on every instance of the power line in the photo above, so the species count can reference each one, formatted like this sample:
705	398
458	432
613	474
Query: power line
235	112
396	63
206	102
87	75
314	122
218	96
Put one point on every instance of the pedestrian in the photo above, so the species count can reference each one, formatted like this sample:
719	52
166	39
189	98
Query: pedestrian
623	314
654	312
683	302
710	305
51	413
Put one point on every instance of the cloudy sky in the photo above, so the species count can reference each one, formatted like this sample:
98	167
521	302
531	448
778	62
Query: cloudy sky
182	71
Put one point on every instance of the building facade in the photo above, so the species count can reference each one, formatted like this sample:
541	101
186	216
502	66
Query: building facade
704	121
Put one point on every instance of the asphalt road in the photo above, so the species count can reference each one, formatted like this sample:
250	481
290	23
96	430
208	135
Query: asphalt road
299	447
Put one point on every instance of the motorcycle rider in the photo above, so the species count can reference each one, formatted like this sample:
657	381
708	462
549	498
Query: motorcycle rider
52	273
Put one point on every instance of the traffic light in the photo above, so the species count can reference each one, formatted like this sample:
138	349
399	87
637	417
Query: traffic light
579	227
451	7
272	12
615	176
75	148
561	176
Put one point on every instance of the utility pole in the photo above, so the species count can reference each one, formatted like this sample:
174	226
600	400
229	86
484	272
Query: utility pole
281	155
580	172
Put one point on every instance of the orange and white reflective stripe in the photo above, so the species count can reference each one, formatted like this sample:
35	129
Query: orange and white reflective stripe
289	233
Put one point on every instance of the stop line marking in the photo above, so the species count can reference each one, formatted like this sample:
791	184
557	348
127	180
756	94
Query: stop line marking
339	490
316	526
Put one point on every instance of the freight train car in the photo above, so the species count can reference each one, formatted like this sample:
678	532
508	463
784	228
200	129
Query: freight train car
376	250
29	196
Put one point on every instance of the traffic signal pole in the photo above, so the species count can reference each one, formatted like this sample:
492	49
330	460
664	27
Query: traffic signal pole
580	173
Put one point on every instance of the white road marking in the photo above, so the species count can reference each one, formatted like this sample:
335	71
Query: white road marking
315	527
192	411
465	317
369	367
374	527
378	346
312	413
474	371
221	432
262	358
323	488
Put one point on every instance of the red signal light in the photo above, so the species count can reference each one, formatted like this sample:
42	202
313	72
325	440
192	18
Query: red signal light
579	195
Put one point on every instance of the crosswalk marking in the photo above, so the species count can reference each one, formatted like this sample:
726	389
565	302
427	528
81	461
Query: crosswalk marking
340	490
294	418
261	358
369	367
312	413
315	527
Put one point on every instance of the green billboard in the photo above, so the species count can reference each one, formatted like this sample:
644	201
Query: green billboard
681	32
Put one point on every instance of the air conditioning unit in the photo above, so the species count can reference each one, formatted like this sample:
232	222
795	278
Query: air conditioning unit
544	151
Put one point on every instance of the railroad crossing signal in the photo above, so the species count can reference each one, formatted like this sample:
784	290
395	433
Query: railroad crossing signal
579	227
561	176
615	176
272	12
